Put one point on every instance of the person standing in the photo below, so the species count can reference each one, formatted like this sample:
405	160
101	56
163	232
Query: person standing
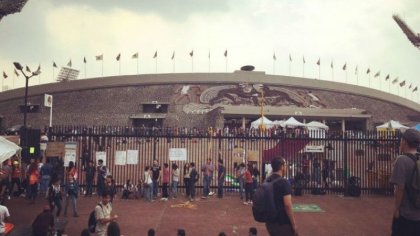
249	191
255	176
175	180
406	217
46	173
285	221
207	170
72	189
6	177
220	178
155	177
240	173
148	184
33	176
110	187
16	175
103	213
4	216
90	176
165	182
187	179
101	176
193	179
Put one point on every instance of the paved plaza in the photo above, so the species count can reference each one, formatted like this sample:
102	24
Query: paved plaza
368	215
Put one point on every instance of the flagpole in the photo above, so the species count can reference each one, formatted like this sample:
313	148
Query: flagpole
209	61
226	61
13	82
85	70
192	63
102	67
319	71
2	84
53	74
156	64
389	86
119	67
290	68
137	64
274	66
173	65
303	69
346	75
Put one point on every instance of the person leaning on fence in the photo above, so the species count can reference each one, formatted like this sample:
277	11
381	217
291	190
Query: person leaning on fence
187	179
193	179
406	217
175	180
156	174
285	222
207	170
220	178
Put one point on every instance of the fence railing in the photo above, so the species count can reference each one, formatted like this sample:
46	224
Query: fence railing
317	161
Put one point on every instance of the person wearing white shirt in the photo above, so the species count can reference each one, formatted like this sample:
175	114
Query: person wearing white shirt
4	215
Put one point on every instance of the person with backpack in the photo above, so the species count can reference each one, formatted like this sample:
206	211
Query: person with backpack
406	217
102	215
272	202
54	196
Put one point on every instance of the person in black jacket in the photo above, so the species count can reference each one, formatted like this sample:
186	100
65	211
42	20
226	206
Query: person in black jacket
90	176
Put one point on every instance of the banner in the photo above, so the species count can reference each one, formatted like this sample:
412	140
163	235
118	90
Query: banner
120	157
177	154
132	157
100	156
314	148
48	100
70	153
252	155
238	155
55	149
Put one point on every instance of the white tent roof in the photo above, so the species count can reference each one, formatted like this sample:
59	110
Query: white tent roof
7	149
316	125
392	124
279	122
292	122
267	123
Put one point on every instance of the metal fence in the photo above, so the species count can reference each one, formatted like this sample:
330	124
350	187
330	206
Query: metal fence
318	162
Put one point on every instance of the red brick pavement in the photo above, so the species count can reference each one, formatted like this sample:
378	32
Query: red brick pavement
369	215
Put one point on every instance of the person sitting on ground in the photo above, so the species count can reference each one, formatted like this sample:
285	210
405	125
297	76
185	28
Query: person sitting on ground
128	190
43	223
222	234
4	217
113	229
151	232
252	231
85	232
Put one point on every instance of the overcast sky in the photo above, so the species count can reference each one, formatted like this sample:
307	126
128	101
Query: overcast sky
358	32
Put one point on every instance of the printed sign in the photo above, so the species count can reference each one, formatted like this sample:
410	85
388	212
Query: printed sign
238	155
70	153
177	154
132	157
120	157
314	148
252	155
101	156
48	100
55	149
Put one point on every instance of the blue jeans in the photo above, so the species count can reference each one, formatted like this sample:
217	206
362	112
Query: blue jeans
174	188
220	187
206	183
155	188
45	181
241	187
73	199
148	192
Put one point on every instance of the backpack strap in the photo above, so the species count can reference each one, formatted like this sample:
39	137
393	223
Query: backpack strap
414	157
275	180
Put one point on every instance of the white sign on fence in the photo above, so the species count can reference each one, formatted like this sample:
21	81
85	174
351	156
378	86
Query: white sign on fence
101	156
120	157
177	154
70	152
132	157
314	148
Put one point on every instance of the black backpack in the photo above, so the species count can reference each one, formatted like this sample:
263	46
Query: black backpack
264	208
93	221
413	187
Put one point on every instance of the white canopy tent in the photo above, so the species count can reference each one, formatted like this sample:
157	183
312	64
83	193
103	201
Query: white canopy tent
314	125
279	122
7	149
267	123
292	122
392	124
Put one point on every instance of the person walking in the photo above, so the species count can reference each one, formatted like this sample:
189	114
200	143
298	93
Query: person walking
33	176
406	217
148	184
46	173
72	189
54	196
284	224
103	213
249	191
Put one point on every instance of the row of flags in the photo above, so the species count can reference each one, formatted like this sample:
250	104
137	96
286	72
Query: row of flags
225	54
134	56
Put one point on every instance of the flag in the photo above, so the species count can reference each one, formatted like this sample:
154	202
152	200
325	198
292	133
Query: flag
69	63
402	83
173	55
377	74
345	66
368	71
304	61
16	73
356	70
155	55
135	55
118	57
99	57
332	65
28	70
4	75
192	53
225	54
415	89
290	57
387	77
274	57
318	62
54	65
84	60
411	85
395	81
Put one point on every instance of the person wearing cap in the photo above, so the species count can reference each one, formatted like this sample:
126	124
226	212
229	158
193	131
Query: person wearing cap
406	218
